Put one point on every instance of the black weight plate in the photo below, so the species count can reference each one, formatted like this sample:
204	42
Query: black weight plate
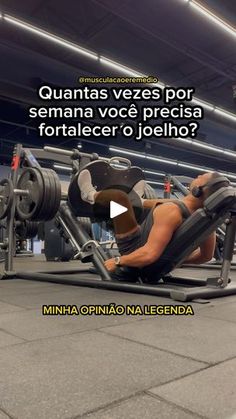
45	209
56	193
6	199
29	206
52	196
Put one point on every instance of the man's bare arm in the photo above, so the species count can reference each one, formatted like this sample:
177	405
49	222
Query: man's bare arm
204	253
150	203
165	224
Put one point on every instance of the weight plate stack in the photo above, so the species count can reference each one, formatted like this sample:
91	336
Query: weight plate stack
52	194
6	197
28	207
44	197
57	192
46	207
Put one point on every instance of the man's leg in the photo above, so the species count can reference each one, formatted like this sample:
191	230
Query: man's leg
124	224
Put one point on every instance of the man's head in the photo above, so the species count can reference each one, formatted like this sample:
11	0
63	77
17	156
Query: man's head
206	184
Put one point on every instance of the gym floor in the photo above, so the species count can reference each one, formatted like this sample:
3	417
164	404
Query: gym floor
94	367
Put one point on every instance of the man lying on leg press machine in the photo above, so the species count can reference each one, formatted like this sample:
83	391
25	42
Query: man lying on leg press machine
142	245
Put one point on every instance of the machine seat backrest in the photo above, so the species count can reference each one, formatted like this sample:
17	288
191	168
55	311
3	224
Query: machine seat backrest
194	231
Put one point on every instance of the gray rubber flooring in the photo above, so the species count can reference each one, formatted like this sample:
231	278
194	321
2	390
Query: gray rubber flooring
96	367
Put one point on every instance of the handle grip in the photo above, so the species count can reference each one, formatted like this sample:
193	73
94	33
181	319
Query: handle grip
120	160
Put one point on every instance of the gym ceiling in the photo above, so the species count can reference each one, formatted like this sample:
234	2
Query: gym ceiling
169	39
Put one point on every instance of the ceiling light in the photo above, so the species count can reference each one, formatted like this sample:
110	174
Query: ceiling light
183	140
211	147
208	147
127	152
113	64
152	182
154	173
229	153
171	162
120	67
198	169
226	114
158	84
161	160
203	103
127	70
50	37
214	18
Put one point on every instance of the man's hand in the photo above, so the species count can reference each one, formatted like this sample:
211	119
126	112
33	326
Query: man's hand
204	253
110	265
165	222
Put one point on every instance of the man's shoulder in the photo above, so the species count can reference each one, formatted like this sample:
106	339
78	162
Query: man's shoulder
168	211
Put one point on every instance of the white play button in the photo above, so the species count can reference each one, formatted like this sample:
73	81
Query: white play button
116	209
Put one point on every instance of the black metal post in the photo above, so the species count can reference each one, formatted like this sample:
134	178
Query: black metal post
228	250
10	234
82	238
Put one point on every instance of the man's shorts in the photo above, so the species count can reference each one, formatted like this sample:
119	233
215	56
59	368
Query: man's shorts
128	245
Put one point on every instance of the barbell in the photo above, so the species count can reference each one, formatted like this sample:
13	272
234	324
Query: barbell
38	195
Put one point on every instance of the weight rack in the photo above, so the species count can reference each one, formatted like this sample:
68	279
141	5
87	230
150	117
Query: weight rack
89	251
